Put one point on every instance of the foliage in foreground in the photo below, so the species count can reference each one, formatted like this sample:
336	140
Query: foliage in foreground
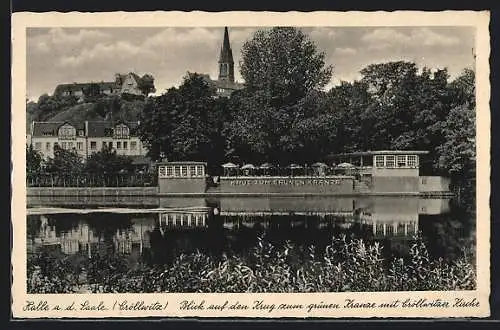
345	266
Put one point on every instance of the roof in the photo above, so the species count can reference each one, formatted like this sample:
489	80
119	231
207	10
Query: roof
226	53
41	128
382	152
98	128
226	84
187	162
82	86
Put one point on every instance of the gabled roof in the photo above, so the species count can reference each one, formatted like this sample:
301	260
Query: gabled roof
99	128
83	86
41	128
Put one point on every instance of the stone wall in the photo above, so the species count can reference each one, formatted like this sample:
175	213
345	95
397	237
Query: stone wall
391	184
434	184
290	185
182	185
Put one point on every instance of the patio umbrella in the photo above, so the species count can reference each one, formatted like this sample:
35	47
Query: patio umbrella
248	167
319	165
294	167
266	166
229	165
345	165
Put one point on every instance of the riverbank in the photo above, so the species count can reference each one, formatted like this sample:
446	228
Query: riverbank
345	265
210	192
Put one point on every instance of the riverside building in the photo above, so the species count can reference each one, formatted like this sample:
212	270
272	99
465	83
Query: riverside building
86	138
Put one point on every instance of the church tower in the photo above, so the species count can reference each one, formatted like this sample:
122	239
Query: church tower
226	63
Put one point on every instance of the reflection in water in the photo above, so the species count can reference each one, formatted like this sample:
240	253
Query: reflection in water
232	225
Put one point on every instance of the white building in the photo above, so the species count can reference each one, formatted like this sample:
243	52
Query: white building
87	138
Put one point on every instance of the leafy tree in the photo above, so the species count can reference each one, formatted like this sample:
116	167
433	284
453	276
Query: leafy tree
107	162
284	63
352	107
146	84
65	163
34	161
281	115
47	103
457	153
185	123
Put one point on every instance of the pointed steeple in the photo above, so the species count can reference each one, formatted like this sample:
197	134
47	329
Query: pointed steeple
226	63
226	53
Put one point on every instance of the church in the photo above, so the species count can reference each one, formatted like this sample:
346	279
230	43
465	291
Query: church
225	84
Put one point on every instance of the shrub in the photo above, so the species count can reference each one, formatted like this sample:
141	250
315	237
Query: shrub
347	265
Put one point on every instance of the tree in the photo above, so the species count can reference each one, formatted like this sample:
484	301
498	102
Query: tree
107	162
146	84
457	152
284	63
281	115
185	123
34	161
65	163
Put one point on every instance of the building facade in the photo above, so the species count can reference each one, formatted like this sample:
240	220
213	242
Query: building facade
87	138
128	83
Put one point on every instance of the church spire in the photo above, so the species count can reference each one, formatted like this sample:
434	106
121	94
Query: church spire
226	63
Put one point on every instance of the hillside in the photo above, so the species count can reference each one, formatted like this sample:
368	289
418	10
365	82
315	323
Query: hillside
110	108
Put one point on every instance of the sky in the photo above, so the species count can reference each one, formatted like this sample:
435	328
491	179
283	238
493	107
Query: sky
67	55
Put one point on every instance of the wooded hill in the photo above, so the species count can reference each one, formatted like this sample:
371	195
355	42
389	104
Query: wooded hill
69	108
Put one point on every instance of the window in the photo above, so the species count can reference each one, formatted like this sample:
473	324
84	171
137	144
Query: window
412	161
199	170
125	145
56	145
47	146
108	132
79	145
81	132
390	229
389	161
133	145
401	161
379	161
104	145
93	145
379	229
38	145
63	145
177	171
163	171
110	144
67	130
118	145
121	131
169	171
70	145
184	170
192	170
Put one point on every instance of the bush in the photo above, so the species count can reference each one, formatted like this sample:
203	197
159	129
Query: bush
347	265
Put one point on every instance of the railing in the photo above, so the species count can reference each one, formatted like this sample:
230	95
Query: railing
122	180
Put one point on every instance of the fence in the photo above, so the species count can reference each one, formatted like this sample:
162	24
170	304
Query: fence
48	180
